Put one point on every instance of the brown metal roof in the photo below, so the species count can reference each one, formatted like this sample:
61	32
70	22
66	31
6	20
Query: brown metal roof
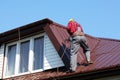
105	53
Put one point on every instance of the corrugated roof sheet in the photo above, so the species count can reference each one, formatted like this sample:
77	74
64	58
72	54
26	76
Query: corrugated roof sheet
105	53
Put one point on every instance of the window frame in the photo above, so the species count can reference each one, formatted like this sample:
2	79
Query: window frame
17	56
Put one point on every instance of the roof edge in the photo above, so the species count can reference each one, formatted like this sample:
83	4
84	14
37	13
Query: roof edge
46	20
24	30
104	72
110	39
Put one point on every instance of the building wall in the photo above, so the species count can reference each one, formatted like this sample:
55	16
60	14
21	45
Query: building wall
51	57
1	59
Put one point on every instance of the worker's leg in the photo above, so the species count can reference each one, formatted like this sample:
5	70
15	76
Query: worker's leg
73	62
85	47
73	53
87	53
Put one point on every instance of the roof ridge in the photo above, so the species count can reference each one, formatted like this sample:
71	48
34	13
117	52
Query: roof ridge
92	37
110	39
59	25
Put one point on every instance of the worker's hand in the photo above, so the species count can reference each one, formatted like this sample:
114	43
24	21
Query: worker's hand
81	33
78	33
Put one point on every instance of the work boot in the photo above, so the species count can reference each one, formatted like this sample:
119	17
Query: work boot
90	62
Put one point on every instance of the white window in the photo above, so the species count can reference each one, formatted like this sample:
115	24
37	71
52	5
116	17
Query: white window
32	54
24	56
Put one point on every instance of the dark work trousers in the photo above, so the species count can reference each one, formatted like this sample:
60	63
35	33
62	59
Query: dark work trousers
76	43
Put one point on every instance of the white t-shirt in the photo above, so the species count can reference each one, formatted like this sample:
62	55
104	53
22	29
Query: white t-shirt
79	29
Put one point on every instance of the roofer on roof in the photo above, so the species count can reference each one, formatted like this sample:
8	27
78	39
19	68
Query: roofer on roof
77	39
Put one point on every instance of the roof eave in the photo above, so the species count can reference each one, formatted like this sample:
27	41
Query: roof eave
24	30
89	74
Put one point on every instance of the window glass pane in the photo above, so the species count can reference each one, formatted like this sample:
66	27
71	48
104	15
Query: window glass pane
11	60
24	56
38	53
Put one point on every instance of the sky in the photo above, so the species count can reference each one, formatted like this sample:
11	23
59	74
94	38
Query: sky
99	18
